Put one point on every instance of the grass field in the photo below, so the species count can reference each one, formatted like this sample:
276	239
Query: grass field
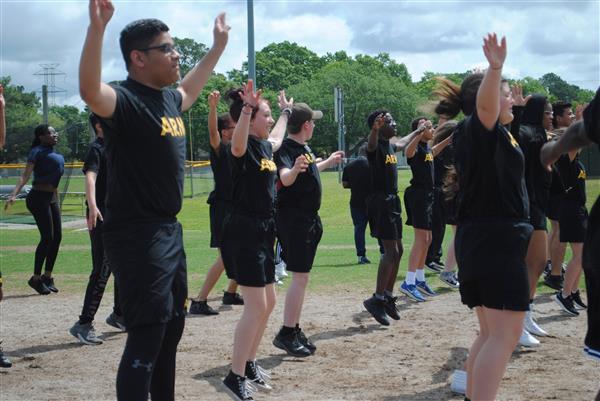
335	262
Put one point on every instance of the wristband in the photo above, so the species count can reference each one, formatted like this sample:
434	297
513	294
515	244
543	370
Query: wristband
496	69
247	105
287	111
249	113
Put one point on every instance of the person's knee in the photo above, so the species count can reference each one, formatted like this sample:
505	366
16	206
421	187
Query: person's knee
300	280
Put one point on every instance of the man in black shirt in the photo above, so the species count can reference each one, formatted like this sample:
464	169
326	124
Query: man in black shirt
94	169
145	152
298	223
384	210
357	177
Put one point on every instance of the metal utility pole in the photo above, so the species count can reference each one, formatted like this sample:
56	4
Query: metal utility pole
251	54
45	103
338	105
49	73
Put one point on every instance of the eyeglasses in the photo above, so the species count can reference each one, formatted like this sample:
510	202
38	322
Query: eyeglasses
165	48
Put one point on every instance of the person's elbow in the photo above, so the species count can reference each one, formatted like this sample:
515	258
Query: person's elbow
237	150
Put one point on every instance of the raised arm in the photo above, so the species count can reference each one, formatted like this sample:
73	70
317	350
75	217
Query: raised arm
374	134
437	149
402	143
90	196
213	130
411	149
192	84
239	140
488	95
333	160
22	181
278	132
574	138
100	97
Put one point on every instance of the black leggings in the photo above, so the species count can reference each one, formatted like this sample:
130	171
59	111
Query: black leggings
46	212
98	279
148	362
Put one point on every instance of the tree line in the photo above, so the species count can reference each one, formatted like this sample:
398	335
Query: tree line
368	83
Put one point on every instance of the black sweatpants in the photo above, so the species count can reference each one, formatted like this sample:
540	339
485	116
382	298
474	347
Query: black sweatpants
46	212
148	362
98	279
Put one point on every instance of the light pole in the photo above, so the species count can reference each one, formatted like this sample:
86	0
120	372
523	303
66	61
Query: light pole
251	55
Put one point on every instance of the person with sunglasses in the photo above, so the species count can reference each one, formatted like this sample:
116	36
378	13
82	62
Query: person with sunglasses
145	153
384	210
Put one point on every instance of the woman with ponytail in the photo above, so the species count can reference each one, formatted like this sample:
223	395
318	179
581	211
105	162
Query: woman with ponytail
48	167
493	228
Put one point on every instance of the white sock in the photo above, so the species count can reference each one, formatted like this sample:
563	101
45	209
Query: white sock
410	277
421	274
388	293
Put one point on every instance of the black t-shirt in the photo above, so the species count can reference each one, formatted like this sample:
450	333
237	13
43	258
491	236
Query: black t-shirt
253	177
421	165
490	167
443	161
305	192
95	161
383	166
573	177
357	175
221	168
538	180
145	155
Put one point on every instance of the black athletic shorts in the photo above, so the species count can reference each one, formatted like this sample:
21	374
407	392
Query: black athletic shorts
149	264
385	216
491	263
450	206
591	268
573	222
218	211
554	206
299	233
247	248
419	207
537	217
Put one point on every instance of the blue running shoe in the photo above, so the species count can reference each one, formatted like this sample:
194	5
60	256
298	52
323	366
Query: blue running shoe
424	288
412	292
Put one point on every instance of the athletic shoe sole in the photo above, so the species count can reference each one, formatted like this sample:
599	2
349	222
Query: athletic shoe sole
433	269
381	321
83	340
449	283
563	307
282	347
411	296
590	353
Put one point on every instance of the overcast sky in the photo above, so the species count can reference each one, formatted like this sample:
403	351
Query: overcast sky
442	36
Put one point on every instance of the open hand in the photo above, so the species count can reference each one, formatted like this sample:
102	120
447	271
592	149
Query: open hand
494	53
283	102
2	101
221	31
101	11
248	95
213	99
336	158
9	202
517	93
379	122
579	111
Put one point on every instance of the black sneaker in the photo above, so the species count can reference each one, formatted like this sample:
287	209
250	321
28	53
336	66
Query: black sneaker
309	345
116	321
237	387
577	301
566	304
37	284
434	267
232	298
291	345
257	375
363	260
4	361
202	308
376	307
390	307
49	283
554	282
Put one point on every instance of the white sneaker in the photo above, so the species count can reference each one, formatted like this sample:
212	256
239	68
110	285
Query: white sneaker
532	327
459	382
527	340
280	269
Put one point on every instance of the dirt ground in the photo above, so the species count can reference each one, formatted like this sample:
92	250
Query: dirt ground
357	359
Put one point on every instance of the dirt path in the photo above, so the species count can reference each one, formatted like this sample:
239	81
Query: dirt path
356	359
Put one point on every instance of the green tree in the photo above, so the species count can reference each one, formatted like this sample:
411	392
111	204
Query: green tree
191	53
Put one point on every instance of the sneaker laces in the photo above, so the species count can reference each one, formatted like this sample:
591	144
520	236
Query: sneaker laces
392	302
248	389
